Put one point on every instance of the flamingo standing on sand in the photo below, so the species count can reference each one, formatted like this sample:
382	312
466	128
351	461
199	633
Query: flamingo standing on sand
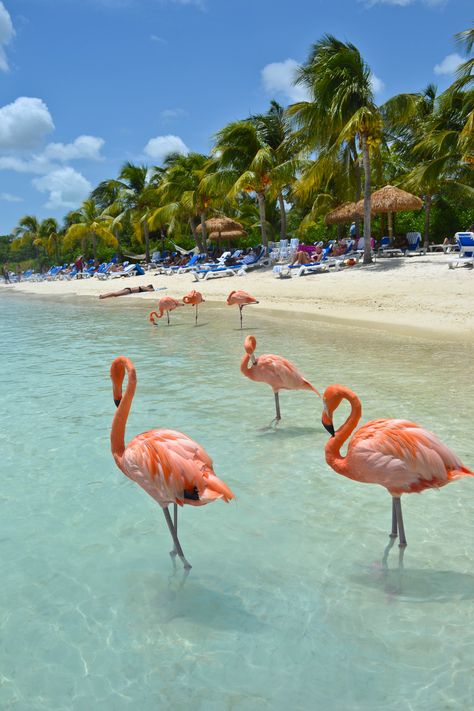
165	305
194	298
171	467
241	298
274	370
397	454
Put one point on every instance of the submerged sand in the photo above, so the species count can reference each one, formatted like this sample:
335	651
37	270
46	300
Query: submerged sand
418	295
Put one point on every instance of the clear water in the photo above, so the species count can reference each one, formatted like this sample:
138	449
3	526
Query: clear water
288	604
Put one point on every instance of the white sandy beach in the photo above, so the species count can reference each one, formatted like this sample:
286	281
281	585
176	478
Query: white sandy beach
419	295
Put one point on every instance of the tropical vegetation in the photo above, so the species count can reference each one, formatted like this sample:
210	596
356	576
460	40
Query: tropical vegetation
280	172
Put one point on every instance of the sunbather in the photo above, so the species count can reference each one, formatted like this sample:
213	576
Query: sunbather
128	290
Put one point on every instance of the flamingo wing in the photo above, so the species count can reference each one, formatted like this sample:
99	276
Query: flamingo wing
280	373
173	468
402	456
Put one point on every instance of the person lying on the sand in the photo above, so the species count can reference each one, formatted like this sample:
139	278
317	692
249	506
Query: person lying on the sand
128	290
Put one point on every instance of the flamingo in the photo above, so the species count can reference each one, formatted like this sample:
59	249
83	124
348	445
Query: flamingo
194	298
274	370
165	304
397	454
169	465
241	298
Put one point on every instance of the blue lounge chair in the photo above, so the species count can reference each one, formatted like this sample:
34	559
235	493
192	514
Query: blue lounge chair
414	242
465	240
386	251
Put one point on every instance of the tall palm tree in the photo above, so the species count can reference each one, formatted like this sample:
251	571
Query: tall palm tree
90	223
341	110
41	236
182	195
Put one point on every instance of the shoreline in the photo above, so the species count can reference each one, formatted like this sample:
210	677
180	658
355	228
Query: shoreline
416	296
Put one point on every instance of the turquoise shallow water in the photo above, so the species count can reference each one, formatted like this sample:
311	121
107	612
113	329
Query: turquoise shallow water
288	604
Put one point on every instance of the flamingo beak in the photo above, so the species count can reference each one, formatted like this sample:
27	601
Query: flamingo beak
327	421
117	401
253	359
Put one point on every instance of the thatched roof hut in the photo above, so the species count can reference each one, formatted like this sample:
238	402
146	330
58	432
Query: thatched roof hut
344	213
220	224
391	199
230	234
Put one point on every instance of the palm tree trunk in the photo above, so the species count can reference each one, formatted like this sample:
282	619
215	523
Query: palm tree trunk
367	196
357	174
428	199
195	234
146	234
282	216
263	219
204	231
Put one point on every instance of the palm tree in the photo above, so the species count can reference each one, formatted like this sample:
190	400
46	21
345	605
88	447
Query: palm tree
90	223
40	236
183	196
341	112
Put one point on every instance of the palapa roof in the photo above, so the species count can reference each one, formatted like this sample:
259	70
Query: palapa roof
221	224
344	213
228	234
391	199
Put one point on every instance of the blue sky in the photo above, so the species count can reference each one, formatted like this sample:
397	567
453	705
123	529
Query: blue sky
89	84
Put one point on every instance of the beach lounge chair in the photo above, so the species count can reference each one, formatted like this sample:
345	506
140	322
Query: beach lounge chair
129	270
385	250
205	274
254	261
465	241
414	242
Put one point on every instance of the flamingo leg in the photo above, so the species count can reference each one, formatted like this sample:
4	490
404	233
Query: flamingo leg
196	318
175	538
174	552
394	532
168	317
277	418
240	309
401	528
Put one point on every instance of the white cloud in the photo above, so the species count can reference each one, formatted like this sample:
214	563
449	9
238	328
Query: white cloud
171	114
6	34
448	65
66	187
8	197
278	78
24	124
161	146
404	3
377	84
88	147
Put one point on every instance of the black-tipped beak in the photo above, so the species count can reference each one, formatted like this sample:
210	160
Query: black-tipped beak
329	428
118	401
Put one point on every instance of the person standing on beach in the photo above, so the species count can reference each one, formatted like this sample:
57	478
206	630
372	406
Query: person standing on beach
79	264
6	275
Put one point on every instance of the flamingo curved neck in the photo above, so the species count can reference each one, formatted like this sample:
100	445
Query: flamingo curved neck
117	434
333	446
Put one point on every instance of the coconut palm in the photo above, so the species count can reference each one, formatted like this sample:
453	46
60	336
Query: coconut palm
341	110
89	223
41	236
182	195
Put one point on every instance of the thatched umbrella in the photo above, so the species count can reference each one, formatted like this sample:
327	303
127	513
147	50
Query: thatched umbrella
344	213
231	234
220	224
390	199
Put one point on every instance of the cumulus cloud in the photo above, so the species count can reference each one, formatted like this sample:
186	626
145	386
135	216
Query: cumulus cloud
377	84
161	146
66	187
8	197
24	124
278	78
448	65
88	147
6	34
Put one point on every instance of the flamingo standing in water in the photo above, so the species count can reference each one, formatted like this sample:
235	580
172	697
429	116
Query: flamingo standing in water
241	298
194	298
274	370
171	467
397	454
165	305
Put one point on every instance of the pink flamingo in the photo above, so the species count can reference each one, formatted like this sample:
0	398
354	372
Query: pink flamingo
241	298
165	305
194	298
171	467
274	370
397	454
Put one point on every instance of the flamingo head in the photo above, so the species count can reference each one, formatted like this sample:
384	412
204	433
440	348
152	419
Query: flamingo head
229	298
152	316
117	374
250	344
331	400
